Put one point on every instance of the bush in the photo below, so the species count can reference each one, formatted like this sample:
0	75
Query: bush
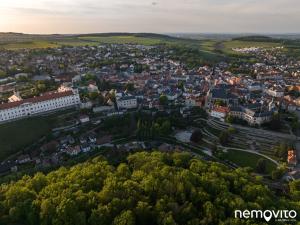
196	136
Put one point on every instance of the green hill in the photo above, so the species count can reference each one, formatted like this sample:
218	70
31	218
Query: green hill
147	189
256	38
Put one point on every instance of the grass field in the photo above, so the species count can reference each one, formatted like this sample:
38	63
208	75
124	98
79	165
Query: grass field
29	45
208	45
88	40
47	44
246	159
76	42
16	135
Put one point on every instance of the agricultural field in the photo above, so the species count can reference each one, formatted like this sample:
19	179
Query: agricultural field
90	40
127	39
47	44
75	42
29	45
208	46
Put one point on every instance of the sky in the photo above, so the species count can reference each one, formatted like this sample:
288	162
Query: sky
157	16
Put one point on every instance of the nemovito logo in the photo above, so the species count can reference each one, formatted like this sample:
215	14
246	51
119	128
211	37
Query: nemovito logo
280	215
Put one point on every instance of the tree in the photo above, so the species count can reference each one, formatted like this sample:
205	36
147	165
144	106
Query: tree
279	171
163	100
165	128
232	130
229	119
220	103
145	188
125	218
2	74
295	190
261	166
196	136
130	87
281	151
93	95
214	149
275	123
224	138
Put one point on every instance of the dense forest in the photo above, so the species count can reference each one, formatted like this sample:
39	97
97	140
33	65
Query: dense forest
146	189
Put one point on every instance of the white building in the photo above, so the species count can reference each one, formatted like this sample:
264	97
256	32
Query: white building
254	87
219	112
127	102
275	92
50	101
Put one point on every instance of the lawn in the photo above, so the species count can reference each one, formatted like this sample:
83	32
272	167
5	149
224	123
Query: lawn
247	159
16	135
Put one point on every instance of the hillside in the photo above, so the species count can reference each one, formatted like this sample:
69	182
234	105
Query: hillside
149	188
255	38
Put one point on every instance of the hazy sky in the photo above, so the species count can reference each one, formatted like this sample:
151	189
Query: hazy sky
162	16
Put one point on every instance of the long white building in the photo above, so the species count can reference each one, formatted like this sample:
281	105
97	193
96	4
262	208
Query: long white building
127	102
50	101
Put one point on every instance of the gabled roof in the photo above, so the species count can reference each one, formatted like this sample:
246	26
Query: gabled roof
45	97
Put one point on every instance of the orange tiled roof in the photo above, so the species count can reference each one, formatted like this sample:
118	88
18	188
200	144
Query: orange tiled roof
45	97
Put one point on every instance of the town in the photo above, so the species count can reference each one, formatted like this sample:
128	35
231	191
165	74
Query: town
112	97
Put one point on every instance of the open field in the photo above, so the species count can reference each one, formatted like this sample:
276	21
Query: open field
19	41
29	45
47	44
246	159
124	40
208	49
75	42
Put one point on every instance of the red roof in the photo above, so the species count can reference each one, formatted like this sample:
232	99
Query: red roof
221	109
45	97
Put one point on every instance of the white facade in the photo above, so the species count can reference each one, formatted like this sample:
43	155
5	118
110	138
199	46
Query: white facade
218	115
275	93
38	105
129	102
254	87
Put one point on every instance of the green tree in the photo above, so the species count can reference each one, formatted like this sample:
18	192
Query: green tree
125	218
224	138
163	100
2	74
196	136
130	87
261	166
